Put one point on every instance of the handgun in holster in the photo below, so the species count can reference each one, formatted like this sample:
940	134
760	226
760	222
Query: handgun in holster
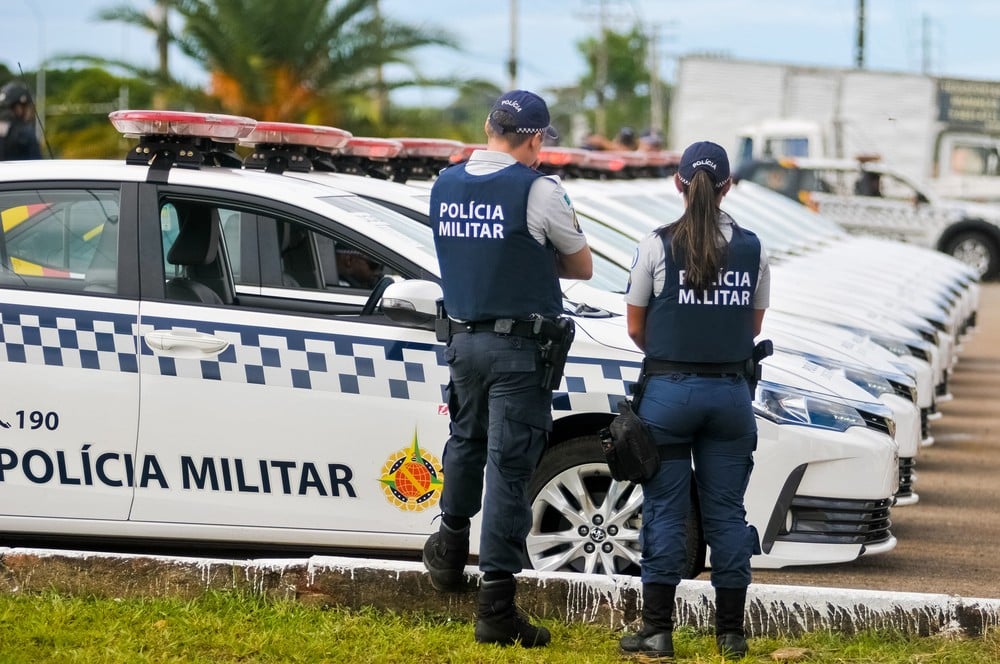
764	348
555	336
442	326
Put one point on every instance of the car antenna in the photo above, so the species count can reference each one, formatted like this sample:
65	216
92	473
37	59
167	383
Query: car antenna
38	118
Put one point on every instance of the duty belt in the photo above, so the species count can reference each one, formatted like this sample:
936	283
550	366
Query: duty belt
518	328
653	367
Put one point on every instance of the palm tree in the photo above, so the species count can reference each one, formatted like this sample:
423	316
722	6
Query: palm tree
301	60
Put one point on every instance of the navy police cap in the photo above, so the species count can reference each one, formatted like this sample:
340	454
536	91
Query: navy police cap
704	156
530	113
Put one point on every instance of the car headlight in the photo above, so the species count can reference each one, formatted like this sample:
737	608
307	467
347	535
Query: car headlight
785	405
869	381
918	348
921	349
893	345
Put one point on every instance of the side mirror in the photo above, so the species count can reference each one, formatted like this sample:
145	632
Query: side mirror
412	302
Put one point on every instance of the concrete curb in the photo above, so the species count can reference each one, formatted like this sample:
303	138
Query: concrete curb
614	602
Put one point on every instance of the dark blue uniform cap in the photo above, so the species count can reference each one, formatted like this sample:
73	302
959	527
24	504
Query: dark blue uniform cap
704	156
531	114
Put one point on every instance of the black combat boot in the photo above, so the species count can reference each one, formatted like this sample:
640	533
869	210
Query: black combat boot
654	642
500	621
446	553
730	637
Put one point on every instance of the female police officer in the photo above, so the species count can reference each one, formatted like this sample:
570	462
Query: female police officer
696	298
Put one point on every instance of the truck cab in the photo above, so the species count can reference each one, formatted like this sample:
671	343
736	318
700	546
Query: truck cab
775	139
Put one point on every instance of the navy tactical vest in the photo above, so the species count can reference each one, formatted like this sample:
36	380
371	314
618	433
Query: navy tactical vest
710	326
491	266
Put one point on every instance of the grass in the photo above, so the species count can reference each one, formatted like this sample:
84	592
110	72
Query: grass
227	627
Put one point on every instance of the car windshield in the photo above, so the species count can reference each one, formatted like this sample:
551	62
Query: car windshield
415	233
608	275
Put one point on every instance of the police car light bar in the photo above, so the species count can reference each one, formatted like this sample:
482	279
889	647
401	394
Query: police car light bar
553	156
659	158
372	148
466	152
214	126
430	148
287	133
604	161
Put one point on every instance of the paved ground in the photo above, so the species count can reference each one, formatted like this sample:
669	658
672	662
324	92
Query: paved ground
948	542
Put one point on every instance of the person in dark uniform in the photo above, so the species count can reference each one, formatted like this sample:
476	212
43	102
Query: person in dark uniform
17	123
504	235
357	270
696	297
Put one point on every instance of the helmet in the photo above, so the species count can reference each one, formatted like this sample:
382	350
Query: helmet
14	92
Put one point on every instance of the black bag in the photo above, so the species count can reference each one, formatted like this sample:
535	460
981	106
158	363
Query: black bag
629	449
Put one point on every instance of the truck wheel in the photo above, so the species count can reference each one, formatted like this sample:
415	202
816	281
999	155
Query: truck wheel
585	522
976	250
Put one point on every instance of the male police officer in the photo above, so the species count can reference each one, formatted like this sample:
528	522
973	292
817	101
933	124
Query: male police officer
504	235
17	123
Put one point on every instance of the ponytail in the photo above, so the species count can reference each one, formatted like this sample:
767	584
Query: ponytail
696	242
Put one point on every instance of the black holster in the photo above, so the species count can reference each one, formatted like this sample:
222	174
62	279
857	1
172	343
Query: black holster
442	328
764	348
555	336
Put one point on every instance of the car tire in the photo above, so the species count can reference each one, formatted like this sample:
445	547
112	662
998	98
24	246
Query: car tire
977	250
583	521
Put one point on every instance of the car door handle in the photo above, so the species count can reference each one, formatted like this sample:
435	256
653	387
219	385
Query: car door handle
184	343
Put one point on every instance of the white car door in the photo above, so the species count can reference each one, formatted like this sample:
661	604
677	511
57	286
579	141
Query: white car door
284	417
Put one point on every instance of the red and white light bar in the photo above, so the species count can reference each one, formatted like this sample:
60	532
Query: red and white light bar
466	152
218	127
372	148
662	158
604	161
554	156
288	133
430	148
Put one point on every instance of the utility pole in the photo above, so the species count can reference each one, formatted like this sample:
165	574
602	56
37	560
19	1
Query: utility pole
655	98
600	113
512	60
859	49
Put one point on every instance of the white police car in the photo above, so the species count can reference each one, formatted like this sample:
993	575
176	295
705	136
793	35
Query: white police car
869	196
604	292
188	362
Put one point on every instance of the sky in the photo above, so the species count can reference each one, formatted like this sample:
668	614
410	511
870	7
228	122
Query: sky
955	38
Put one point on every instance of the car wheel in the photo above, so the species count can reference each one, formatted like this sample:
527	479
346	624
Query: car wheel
977	250
585	522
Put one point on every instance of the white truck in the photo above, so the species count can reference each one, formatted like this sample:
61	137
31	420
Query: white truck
944	131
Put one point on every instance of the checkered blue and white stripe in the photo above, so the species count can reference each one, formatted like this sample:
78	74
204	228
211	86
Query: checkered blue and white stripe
67	338
277	357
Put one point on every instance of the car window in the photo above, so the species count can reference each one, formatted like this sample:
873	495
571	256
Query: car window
62	239
774	177
419	236
194	267
975	160
893	188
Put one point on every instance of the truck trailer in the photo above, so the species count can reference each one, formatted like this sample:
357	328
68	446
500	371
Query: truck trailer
942	131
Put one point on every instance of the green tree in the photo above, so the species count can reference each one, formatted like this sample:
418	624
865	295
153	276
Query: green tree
79	101
624	92
304	61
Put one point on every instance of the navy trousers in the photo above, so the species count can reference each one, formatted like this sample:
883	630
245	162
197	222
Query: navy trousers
500	421
712	416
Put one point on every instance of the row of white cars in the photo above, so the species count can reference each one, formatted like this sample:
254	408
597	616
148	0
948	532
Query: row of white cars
188	365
